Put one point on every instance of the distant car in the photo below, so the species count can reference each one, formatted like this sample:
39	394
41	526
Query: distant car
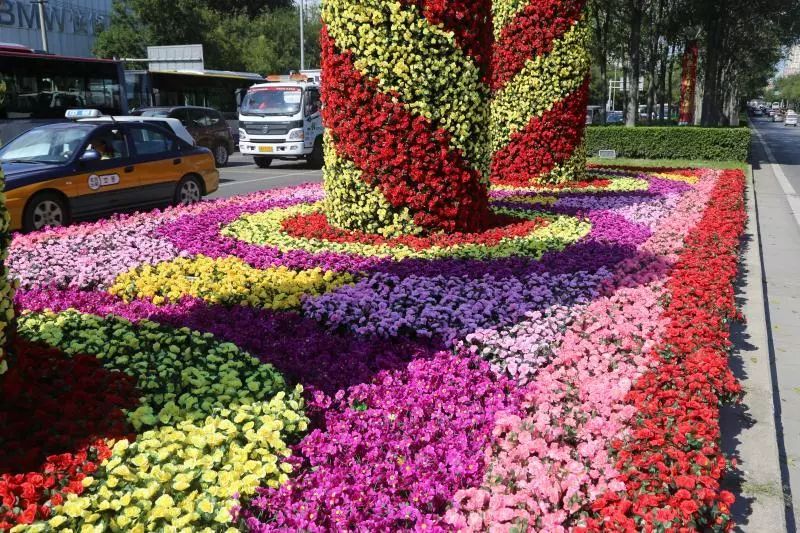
778	116
59	172
171	124
791	119
614	117
206	125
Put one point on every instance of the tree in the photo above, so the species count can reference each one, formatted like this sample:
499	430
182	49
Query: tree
635	15
127	36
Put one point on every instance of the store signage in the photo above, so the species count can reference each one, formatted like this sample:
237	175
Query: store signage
73	20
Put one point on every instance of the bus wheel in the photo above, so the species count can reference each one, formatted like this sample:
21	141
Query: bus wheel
46	209
221	155
188	192
263	162
316	159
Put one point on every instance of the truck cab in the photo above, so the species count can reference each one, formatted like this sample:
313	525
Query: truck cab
281	119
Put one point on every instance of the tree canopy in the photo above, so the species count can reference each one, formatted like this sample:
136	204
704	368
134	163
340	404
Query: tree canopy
257	35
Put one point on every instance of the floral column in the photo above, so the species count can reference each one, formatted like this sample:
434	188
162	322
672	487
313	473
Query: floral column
540	82
688	84
406	111
6	288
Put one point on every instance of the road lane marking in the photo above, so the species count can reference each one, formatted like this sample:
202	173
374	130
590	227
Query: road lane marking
788	190
266	178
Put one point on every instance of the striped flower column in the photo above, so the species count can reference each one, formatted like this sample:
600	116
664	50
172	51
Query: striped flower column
540	84
6	288
405	97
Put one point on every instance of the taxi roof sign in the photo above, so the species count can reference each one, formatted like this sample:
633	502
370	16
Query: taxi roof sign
76	114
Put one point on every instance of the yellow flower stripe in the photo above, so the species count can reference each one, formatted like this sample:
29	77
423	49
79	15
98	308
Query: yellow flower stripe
184	476
350	202
265	229
617	185
537	200
543	82
692	180
228	281
398	47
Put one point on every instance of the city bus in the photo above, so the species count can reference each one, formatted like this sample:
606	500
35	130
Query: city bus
38	88
217	89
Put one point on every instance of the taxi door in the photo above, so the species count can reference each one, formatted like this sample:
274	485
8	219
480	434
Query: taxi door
157	161
105	184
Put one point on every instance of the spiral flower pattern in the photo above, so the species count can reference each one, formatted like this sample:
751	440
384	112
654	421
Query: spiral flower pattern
540	85
406	110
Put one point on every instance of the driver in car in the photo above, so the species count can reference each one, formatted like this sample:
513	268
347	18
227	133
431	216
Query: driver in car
103	147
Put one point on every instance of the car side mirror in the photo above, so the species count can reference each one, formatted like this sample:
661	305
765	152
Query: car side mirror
91	155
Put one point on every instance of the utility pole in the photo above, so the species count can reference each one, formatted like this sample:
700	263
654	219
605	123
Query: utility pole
302	36
42	23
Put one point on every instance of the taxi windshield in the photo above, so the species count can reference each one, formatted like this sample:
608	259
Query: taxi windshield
46	145
278	101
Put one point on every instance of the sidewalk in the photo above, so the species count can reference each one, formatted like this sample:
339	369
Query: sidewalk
763	434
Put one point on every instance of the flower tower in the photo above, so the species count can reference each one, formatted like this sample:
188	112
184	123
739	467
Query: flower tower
540	85
6	288
406	114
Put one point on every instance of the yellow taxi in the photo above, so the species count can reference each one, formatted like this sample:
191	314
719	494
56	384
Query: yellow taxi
60	172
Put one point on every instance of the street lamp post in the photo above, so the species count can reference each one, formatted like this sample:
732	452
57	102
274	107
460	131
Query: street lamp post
42	23
302	36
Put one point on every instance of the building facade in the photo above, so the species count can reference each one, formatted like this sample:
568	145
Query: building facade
792	63
71	24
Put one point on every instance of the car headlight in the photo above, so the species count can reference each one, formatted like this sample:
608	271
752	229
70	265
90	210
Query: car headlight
242	134
296	135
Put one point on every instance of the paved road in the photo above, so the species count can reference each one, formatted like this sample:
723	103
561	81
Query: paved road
776	164
242	176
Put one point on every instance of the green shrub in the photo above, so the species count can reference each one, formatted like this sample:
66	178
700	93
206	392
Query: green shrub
659	142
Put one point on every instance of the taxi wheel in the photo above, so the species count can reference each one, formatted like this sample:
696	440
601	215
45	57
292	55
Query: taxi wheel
46	209
221	155
189	191
263	162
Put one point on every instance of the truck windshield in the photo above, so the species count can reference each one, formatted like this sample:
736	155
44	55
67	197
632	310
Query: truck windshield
283	101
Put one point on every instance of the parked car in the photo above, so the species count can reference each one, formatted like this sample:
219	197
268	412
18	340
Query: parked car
170	124
791	119
60	172
206	125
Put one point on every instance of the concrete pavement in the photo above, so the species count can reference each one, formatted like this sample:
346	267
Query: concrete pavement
763	434
242	176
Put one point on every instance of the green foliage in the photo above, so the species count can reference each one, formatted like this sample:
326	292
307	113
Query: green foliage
257	35
720	144
788	88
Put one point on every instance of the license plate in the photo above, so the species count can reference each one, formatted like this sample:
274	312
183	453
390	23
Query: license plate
265	148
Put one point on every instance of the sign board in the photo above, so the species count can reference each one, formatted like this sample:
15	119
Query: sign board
607	154
177	57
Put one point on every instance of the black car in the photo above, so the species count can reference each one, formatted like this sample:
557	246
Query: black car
206	125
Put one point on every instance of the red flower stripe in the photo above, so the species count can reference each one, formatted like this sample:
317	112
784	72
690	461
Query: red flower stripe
467	19
545	142
405	156
499	227
672	463
54	410
530	34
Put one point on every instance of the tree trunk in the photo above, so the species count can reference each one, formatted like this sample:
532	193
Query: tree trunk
712	89
662	85
669	87
634	50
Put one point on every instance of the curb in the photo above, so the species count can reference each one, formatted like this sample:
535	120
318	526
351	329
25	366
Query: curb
749	430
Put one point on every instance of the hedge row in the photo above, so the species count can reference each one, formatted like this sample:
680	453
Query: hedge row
659	142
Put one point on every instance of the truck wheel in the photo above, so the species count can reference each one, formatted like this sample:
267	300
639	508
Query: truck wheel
316	158
46	209
221	155
263	162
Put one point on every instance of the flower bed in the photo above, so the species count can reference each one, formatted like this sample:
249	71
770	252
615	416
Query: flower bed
251	366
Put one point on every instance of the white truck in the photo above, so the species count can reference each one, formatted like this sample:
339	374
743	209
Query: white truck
281	119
